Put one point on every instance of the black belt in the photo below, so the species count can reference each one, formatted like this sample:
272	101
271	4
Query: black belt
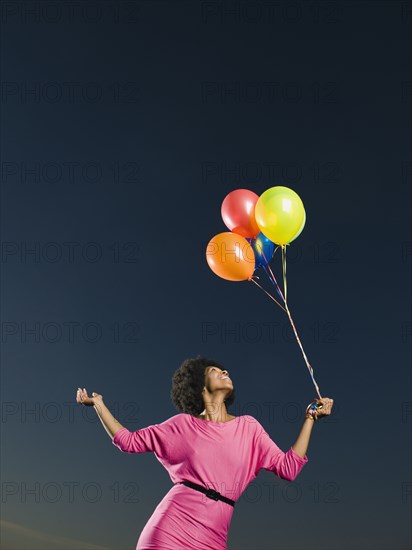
211	493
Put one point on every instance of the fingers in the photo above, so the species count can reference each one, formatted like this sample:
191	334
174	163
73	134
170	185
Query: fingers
325	402
325	407
83	399
81	395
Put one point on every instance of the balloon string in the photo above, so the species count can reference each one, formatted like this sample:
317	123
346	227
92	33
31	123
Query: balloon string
264	267
303	352
270	296
284	270
290	317
271	272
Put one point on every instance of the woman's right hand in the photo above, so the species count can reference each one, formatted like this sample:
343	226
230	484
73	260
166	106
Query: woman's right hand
323	407
83	399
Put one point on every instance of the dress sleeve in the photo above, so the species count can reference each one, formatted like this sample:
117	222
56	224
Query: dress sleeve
270	457
156	438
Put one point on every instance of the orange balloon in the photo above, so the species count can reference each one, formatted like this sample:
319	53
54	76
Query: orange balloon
231	257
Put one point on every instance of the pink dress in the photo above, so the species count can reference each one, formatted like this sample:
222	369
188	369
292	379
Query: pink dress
224	456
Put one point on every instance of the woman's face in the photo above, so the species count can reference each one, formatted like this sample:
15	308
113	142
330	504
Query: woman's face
216	378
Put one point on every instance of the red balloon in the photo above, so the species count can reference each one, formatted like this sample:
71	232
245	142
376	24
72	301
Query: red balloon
238	212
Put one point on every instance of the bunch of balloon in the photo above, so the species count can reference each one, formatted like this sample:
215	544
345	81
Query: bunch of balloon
230	254
256	224
237	254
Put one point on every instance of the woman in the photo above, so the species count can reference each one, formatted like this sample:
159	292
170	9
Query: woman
213	452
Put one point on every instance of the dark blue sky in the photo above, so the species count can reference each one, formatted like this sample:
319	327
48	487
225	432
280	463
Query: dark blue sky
123	127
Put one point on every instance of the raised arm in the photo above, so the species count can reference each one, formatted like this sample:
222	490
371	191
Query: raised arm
110	424
157	438
286	465
302	441
301	444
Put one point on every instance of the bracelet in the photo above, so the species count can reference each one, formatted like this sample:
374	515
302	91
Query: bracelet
311	410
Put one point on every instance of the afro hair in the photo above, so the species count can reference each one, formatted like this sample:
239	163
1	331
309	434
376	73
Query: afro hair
188	382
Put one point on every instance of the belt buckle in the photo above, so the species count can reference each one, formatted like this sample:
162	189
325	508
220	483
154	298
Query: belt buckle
211	493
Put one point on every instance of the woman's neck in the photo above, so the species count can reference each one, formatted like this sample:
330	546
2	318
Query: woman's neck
215	417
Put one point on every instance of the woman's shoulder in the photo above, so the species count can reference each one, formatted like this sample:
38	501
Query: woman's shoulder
252	421
249	418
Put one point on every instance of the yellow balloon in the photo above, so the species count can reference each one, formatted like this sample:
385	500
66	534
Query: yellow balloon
300	230
280	214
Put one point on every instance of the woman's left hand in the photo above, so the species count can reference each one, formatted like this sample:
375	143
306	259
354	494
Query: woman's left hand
325	405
